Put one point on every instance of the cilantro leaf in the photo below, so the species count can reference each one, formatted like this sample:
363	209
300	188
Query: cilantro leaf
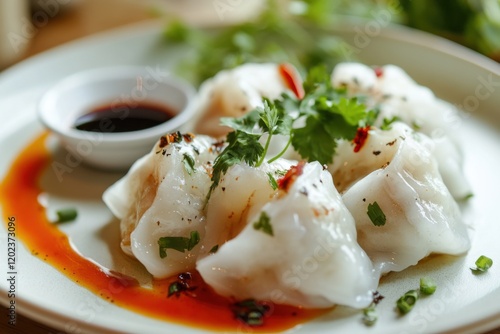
180	244
264	224
274	119
314	141
246	123
316	77
387	123
242	147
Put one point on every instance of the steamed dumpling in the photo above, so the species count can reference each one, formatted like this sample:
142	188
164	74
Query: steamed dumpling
396	170
396	94
310	258
163	196
242	191
233	93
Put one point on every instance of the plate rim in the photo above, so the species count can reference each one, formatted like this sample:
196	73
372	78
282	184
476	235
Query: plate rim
394	32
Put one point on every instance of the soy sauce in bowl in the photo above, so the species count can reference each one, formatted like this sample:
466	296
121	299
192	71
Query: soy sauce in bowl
124	118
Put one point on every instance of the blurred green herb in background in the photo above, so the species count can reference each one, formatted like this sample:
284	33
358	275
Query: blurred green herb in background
297	31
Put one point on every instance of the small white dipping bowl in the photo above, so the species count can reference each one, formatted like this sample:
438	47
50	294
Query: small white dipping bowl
83	92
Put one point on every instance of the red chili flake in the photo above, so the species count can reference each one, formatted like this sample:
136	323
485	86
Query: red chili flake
361	137
175	137
379	71
292	79
285	182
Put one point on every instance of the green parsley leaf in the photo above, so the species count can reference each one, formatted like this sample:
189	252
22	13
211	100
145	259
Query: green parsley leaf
274	119
189	163
314	141
370	316
316	78
329	116
272	181
387	123
483	263
370	118
242	147
247	123
180	244
352	111
264	224
376	214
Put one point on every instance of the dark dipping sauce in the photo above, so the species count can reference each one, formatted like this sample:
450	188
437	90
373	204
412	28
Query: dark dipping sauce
123	117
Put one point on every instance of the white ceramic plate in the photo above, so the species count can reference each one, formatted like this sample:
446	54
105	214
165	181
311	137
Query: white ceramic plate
463	303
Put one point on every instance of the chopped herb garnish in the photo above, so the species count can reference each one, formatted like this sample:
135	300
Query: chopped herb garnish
66	215
277	34
175	289
483	263
188	163
180	244
250	312
180	285
407	301
376	214
416	126
427	286
272	181
327	114
387	123
214	249
370	315
264	224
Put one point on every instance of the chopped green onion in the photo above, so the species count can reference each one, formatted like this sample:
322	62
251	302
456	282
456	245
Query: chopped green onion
427	285
66	215
376	214
407	301
370	315
214	249
483	263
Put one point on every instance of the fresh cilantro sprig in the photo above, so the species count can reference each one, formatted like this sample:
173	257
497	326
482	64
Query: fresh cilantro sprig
313	124
243	142
329	115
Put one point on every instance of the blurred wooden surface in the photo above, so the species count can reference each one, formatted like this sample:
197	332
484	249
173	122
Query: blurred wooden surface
80	18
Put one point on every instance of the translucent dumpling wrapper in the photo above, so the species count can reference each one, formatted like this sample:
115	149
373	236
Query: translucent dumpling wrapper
397	95
234	92
299	249
241	192
163	195
396	171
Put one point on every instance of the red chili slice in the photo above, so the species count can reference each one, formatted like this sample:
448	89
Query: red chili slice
292	79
